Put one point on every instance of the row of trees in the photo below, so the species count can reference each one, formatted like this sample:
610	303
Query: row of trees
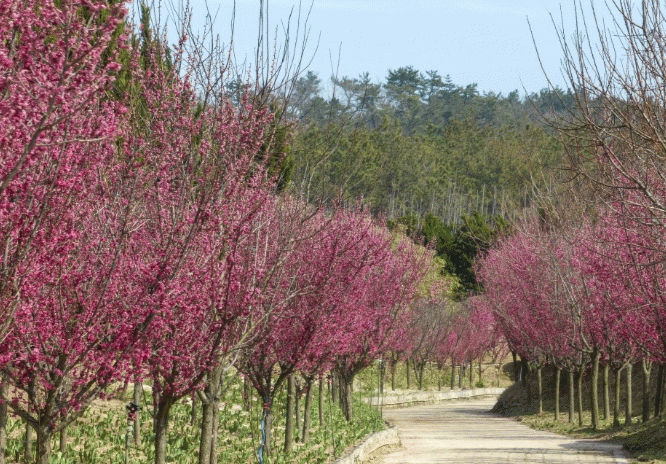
581	284
143	239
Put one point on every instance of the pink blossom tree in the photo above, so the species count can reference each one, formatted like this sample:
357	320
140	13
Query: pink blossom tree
58	163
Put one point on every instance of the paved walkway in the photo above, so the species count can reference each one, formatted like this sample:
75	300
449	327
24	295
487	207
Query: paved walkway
465	432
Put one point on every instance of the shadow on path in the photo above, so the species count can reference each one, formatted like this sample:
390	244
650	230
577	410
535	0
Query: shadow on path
467	432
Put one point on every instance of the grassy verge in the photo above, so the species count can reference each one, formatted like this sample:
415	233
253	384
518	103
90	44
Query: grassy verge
645	441
99	436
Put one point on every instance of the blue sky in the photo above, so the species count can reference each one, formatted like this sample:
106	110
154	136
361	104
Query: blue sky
474	41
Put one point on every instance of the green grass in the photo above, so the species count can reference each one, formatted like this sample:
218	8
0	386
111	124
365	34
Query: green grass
646	442
99	436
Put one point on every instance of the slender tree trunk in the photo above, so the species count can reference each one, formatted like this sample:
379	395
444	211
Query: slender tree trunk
580	395
161	428
205	440
594	391
659	391
346	386
3	422
307	409
193	410
558	374
321	401
209	407
267	425
471	375
571	396
407	370
382	377
136	398
28	443
393	364
290	410
63	440
524	367
616	406
516	367
453	374
215	406
461	374
539	389
527	384
480	371
43	445
335	395
297	412
606	388
647	369
628	404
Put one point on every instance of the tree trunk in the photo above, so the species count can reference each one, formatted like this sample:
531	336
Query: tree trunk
161	428
3	422
539	389
297	411
659	391
594	391
558	374
307	409
461	374
138	392
63	440
471	375
266	425
516	368
382	377
346	386
580	395
193	409
209	408
290	410
335	395
205	440
321	401
616	406
647	369
43	445
393	364
480	371
407	370
606	387
628	404
571	396
28	443
453	374
527	384
215	406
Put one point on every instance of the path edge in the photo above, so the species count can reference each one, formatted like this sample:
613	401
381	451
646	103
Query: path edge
376	440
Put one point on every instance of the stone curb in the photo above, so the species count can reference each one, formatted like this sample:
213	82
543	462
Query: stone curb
390	436
410	399
371	443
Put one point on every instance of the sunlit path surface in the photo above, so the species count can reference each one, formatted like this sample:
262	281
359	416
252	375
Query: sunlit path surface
465	432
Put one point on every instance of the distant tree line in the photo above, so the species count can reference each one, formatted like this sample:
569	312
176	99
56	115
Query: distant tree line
419	144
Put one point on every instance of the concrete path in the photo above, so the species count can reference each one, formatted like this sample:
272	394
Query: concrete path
465	432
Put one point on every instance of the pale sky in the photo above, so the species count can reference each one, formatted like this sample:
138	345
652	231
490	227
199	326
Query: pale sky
474	41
